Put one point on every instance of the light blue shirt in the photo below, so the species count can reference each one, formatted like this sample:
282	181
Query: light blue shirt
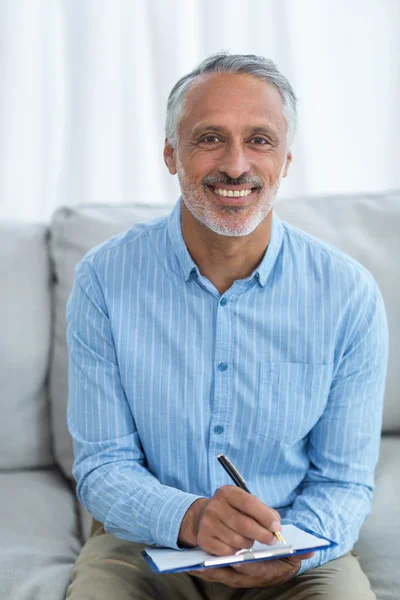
284	374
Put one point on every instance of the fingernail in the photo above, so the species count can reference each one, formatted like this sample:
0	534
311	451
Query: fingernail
276	526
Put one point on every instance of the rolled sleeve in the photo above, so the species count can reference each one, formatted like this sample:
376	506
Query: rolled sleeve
167	516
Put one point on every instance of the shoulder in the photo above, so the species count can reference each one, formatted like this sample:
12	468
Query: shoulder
137	239
322	257
335	278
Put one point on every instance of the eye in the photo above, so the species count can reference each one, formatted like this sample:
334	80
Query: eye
260	139
209	139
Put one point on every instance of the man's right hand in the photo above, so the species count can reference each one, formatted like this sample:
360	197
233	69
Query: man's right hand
232	519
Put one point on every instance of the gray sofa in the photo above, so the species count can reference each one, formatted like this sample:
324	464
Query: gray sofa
42	526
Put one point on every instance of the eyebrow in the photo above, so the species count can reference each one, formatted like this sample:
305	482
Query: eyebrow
261	129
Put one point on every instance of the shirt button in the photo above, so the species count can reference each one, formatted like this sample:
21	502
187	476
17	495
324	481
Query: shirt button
222	366
223	301
218	429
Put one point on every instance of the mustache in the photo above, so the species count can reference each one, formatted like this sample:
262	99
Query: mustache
220	178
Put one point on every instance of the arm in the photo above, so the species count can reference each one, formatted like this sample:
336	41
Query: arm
336	494
113	481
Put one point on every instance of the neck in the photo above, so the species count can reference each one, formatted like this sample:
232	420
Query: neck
224	259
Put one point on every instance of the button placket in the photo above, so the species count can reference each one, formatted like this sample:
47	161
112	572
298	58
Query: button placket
222	389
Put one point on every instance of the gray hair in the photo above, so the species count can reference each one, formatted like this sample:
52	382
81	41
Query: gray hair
223	62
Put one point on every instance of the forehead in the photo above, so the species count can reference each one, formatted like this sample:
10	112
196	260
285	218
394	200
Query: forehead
233	101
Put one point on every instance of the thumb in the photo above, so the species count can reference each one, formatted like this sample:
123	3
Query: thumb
304	556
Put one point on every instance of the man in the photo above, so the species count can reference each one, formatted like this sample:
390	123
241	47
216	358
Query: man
222	329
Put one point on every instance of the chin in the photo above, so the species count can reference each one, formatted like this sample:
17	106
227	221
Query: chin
231	227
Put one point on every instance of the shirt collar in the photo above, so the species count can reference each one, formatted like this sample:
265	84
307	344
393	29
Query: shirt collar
189	267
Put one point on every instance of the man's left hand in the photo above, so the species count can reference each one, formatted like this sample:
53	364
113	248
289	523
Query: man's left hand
256	574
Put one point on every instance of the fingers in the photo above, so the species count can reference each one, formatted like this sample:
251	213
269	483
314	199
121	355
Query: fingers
305	556
248	527
277	515
217	537
261	522
233	519
255	574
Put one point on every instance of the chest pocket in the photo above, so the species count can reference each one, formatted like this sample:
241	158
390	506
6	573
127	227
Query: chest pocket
292	397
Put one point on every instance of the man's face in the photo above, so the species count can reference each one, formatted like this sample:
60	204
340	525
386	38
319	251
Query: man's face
231	139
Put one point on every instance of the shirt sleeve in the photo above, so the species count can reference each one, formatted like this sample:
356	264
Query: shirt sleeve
113	481
343	447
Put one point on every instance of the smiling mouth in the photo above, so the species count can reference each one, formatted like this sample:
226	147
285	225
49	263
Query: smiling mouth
238	192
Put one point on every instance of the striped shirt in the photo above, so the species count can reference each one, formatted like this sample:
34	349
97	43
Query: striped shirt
284	373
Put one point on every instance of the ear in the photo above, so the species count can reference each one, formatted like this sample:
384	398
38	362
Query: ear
288	161
169	157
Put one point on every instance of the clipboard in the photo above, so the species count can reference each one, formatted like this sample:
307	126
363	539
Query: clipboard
165	560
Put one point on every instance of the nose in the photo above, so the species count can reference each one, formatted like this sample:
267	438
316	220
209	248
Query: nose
234	161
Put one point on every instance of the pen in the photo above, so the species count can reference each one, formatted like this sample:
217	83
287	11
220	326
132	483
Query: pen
240	482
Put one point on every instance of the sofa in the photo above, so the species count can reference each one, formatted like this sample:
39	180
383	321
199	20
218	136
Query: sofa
42	524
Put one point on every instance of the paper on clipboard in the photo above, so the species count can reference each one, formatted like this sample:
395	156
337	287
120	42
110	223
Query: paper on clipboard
164	560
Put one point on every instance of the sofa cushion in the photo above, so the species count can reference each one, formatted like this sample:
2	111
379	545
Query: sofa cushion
363	226
39	535
377	547
25	325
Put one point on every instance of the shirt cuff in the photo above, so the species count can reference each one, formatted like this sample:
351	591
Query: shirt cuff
167	516
305	565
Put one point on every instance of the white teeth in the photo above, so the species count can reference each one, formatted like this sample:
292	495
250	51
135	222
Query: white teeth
232	193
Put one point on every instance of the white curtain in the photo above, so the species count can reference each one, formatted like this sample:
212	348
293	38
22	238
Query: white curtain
84	86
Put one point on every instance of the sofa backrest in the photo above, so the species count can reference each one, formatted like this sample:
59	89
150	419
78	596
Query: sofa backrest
25	326
363	226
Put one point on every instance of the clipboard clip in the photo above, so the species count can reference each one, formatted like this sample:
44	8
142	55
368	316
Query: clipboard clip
245	554
249	555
